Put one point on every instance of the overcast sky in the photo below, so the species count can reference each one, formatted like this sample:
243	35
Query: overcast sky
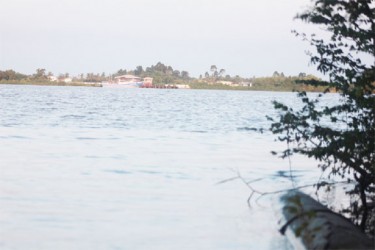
245	37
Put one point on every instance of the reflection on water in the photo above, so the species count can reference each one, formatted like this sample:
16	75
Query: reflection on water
92	168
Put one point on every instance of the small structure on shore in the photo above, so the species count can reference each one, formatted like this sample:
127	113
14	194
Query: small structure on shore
52	78
246	84
228	83
128	80
167	86
131	81
182	86
67	80
147	81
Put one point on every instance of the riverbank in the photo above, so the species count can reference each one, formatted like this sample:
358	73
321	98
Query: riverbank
261	87
194	85
48	83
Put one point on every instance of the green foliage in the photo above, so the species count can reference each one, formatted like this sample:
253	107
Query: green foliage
346	151
40	75
291	83
218	86
11	75
215	74
161	74
91	77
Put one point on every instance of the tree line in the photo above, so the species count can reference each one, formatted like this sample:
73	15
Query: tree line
166	74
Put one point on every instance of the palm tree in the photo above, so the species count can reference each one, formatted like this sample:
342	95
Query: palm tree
213	69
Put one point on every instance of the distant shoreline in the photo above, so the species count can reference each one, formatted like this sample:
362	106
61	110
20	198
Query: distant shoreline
192	86
71	84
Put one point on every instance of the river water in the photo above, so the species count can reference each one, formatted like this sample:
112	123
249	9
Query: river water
102	168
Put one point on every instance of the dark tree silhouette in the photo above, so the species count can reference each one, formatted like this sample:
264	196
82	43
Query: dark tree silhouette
345	147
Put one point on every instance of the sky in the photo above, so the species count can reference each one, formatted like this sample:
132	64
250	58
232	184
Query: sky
244	37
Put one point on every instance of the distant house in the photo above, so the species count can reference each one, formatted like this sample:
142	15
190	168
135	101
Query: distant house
127	79
52	78
147	81
133	81
246	84
234	84
67	80
182	86
228	83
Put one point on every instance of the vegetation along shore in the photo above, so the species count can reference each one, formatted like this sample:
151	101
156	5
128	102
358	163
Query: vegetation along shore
164	75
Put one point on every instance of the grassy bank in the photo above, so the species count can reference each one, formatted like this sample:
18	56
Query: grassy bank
291	87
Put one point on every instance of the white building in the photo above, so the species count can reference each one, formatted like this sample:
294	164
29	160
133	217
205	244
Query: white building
246	84
67	80
127	79
228	83
52	78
